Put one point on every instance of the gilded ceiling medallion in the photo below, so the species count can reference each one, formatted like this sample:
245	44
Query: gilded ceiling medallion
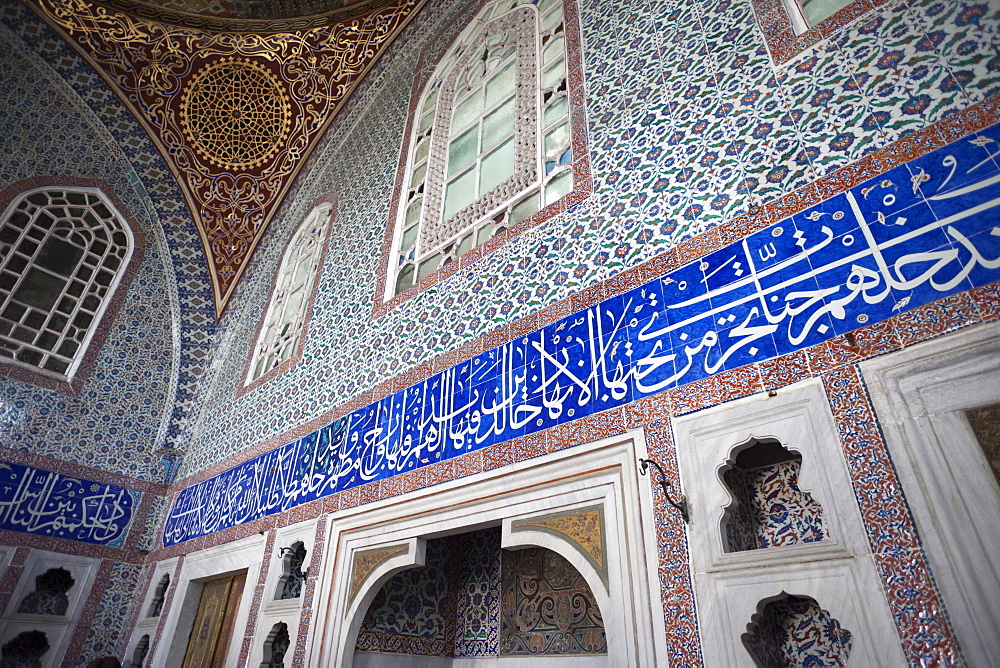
235	114
235	131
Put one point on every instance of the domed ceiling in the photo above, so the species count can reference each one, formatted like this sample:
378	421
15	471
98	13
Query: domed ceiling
235	93
245	15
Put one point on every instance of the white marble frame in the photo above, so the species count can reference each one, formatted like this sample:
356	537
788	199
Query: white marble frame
273	611
146	625
729	586
58	629
602	473
920	395
200	567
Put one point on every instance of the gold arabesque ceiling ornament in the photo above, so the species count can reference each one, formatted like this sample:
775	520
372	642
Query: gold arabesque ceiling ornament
234	112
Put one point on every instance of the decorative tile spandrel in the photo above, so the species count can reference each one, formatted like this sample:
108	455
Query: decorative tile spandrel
235	115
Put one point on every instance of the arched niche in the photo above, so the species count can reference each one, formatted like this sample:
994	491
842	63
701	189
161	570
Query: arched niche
276	646
600	474
768	507
140	652
49	596
472	599
159	596
789	630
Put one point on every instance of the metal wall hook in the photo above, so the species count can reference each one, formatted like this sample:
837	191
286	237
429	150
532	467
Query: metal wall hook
681	504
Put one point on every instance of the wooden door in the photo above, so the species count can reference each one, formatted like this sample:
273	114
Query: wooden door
213	625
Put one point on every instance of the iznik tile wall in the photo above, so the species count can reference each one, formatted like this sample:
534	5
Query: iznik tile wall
477	610
690	124
412	613
917	233
47	131
65	121
111	623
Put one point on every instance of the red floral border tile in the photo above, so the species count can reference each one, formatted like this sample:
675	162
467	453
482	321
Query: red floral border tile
258	599
925	630
781	39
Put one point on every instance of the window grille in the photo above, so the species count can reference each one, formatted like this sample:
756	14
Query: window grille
284	324
491	144
62	255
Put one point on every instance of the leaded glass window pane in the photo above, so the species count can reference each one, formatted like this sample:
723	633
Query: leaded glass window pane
284	323
62	252
816	11
498	142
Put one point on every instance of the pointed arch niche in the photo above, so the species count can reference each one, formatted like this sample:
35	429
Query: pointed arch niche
773	512
583	510
789	631
768	508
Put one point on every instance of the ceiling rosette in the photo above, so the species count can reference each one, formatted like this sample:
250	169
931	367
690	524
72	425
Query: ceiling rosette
234	113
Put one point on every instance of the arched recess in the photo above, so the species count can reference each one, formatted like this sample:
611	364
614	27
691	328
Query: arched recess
838	571
531	531
792	630
602	474
372	568
770	508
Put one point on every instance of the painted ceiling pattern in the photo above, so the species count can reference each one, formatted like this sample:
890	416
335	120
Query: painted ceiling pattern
234	114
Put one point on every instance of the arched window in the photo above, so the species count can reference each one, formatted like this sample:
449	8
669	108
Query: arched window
284	324
806	14
491	141
62	255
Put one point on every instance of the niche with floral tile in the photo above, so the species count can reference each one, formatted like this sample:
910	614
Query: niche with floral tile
794	631
775	528
768	508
